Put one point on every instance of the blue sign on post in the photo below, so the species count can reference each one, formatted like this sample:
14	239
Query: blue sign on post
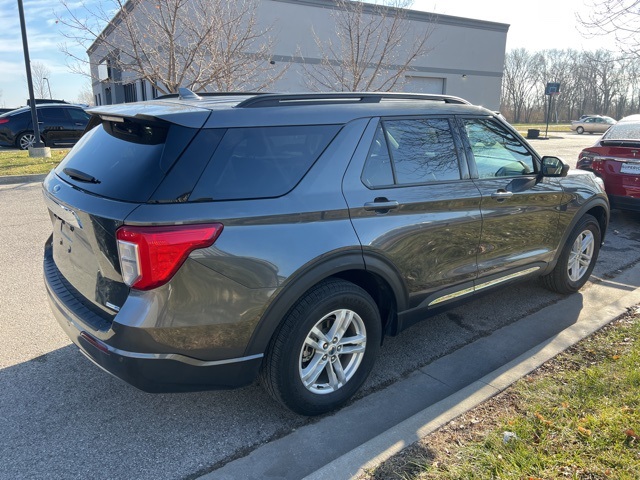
553	88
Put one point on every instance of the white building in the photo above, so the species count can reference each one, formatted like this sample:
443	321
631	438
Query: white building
466	56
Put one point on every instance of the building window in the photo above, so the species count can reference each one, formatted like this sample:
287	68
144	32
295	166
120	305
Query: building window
130	94
143	90
97	100
154	92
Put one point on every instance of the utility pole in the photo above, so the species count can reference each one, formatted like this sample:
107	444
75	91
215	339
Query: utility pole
49	87
38	149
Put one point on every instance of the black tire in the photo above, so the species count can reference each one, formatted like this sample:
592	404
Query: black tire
580	130
289	354
25	140
570	274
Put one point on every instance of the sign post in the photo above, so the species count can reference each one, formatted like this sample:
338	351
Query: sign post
553	88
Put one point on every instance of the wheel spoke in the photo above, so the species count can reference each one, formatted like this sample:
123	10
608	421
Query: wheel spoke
341	324
313	343
337	367
311	373
585	260
334	383
353	344
320	335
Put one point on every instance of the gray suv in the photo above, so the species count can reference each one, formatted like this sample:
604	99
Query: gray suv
205	241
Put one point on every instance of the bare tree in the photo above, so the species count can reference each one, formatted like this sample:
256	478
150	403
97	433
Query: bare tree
620	18
373	48
199	44
40	75
519	84
85	95
596	82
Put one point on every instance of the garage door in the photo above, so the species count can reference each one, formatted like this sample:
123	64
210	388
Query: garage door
424	85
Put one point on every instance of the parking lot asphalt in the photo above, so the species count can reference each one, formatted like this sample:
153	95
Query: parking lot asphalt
61	417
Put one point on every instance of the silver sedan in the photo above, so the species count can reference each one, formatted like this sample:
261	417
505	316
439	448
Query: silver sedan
594	124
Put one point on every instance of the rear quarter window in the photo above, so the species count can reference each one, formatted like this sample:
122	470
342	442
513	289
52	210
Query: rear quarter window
262	162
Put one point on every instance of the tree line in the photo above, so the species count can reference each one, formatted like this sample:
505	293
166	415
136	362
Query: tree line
600	82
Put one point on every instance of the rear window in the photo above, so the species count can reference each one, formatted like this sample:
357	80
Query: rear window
623	131
124	161
262	162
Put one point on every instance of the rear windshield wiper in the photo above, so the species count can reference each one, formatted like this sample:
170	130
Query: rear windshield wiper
80	176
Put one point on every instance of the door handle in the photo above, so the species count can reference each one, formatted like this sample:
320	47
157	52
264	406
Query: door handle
381	205
501	195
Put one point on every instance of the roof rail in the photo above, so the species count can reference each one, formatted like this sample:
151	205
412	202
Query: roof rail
210	94
277	99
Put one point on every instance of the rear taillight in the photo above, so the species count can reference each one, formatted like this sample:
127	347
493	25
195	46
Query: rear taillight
150	256
4	120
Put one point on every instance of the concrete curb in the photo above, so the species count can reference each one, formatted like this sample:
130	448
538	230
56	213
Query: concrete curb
372	453
14	179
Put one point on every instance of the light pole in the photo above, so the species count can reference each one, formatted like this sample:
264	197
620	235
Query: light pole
37	145
49	87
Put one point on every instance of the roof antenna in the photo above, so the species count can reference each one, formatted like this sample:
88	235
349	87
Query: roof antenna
186	94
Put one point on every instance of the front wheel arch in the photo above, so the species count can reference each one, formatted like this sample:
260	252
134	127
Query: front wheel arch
577	258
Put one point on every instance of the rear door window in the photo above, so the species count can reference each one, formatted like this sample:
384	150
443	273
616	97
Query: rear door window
52	115
412	152
262	162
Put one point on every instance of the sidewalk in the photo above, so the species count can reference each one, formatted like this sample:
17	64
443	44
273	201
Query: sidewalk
16	179
378	426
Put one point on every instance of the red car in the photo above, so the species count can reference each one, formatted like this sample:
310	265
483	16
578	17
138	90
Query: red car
616	159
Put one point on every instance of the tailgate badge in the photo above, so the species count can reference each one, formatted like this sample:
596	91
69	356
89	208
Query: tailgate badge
56	188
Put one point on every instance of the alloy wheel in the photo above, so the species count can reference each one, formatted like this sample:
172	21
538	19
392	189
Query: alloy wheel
332	351
581	255
27	140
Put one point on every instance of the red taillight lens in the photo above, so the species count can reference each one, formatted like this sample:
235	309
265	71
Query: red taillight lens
150	256
4	120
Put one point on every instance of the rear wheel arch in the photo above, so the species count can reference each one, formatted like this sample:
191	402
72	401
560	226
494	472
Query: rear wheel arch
350	267
24	137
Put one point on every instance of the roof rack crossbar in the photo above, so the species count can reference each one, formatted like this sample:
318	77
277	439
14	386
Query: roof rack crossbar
275	100
212	94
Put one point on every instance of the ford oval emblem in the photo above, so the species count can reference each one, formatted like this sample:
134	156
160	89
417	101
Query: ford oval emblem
56	188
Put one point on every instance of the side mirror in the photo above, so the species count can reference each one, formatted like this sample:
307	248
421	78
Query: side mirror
554	167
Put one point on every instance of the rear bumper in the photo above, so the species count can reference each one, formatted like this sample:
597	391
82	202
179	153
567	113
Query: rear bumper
624	203
151	372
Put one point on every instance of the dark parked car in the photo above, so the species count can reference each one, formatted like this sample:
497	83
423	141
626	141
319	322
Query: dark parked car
201	242
616	159
60	125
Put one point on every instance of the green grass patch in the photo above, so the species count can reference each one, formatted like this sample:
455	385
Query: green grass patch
18	162
577	417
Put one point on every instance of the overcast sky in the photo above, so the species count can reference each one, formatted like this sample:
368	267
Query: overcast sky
535	25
